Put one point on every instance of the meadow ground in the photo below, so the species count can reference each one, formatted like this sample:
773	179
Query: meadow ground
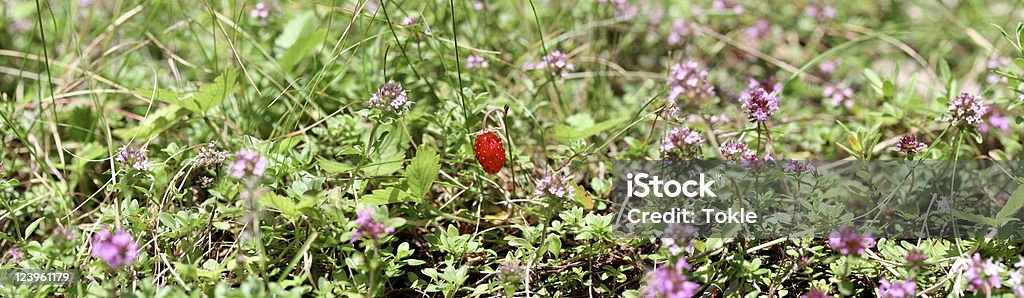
461	148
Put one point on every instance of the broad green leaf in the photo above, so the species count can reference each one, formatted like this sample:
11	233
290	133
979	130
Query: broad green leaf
422	171
334	167
284	204
1013	205
386	196
300	49
294	30
566	134
157	122
212	95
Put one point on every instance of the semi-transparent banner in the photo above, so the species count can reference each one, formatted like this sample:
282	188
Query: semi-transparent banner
771	199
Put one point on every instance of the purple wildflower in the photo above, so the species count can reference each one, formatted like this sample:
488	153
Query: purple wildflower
20	26
476	61
751	160
905	289
669	282
910	145
734	150
410	21
13	255
557	63
915	259
391	97
830	66
995	119
681	143
993	64
512	271
1017	283
372	229
133	157
821	13
967	108
838	94
247	162
848	241
676	234
480	5
689	81
758	31
115	249
982	275
799	168
814	293
682	29
262	12
727	5
768	84
554	185
759	104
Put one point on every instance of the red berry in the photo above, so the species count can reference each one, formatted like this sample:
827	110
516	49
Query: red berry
490	153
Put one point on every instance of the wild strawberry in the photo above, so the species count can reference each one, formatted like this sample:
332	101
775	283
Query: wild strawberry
490	153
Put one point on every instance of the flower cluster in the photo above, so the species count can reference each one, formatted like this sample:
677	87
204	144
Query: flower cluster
391	97
821	13
799	168
758	30
735	150
994	64
262	11
512	271
838	94
1017	279
982	275
372	229
410	21
848	241
994	119
905	289
133	157
681	143
555	186
689	81
476	61
670	282
814	293
910	145
209	156
915	259
247	162
682	29
557	63
967	108
829	66
13	255
676	235
759	104
115	249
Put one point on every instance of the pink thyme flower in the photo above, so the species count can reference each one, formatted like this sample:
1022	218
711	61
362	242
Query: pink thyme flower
689	81
814	293
369	227
682	29
830	66
1017	283
13	255
768	84
838	94
910	145
670	282
555	186
262	12
758	30
133	157
734	150
115	249
480	5
821	13
905	289
476	61
982	275
994	119
967	108
993	64
391	98
246	163
799	168
557	63
848	241
727	5
759	104
915	259
410	20
681	143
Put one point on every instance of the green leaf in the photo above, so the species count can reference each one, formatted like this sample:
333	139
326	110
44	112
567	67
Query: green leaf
333	167
567	134
294	30
32	227
280	203
888	89
422	171
201	101
300	49
157	122
388	195
1014	204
